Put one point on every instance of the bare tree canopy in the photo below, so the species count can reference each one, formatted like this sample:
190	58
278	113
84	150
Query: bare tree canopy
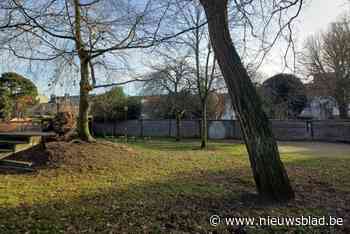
85	38
173	79
327	58
206	75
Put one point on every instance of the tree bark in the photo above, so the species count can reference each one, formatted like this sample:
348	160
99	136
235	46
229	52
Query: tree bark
85	87
84	106
270	176
204	131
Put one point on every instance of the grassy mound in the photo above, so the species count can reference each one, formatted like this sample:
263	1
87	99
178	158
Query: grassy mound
75	155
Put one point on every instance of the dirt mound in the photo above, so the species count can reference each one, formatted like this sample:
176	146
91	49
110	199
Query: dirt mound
77	155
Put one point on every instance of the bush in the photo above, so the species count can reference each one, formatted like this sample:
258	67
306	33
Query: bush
111	106
284	96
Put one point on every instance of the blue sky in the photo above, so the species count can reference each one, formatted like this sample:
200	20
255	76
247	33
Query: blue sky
316	16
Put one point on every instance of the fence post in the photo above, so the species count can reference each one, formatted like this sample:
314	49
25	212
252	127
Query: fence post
114	127
169	127
207	127
141	127
307	125
310	128
233	129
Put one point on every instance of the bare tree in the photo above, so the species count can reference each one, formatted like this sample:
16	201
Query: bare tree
173	79
86	37
206	73
269	173
326	57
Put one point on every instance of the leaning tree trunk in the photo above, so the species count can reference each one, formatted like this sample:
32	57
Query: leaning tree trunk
204	131
270	176
85	87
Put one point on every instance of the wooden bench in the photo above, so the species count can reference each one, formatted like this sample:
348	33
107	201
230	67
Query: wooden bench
14	142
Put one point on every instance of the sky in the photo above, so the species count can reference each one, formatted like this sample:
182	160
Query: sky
315	17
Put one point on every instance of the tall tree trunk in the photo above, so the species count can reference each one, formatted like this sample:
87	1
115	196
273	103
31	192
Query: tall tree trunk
85	87
84	107
204	131
178	126
270	176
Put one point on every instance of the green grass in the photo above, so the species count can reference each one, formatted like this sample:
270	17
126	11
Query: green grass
164	187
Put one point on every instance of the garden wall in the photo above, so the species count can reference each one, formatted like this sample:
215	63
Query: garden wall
331	131
289	130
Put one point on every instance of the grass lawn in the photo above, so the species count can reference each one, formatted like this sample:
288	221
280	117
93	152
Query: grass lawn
165	187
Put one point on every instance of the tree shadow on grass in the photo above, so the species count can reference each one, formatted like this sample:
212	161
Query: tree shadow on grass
180	204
